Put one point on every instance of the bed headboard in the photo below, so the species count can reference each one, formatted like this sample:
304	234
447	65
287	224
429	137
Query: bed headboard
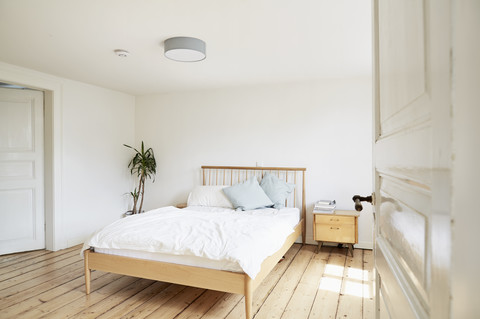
229	175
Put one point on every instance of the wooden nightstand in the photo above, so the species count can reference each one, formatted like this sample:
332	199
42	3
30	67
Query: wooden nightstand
340	227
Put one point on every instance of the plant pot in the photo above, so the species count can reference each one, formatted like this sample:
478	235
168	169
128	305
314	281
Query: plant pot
130	213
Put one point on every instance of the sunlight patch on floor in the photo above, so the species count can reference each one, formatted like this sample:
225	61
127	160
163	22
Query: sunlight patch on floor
356	273
368	291
334	270
353	284
356	289
330	284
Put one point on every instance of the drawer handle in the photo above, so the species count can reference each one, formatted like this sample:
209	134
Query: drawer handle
334	220
337	228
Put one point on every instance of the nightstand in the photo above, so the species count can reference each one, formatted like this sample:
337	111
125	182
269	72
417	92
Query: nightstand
340	227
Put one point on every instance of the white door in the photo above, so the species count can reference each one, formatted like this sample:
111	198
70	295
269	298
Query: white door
412	158
21	171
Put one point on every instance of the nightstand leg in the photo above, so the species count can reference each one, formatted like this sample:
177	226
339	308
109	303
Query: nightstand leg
350	249
320	243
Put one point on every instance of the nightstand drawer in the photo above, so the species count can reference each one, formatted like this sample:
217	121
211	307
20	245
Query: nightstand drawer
334	220
335	233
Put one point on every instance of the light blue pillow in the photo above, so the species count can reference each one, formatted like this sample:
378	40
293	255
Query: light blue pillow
248	195
276	189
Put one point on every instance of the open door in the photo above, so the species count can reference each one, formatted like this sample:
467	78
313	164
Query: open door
412	158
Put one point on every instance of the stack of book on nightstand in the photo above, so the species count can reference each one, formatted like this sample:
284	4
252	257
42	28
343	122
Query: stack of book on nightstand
325	206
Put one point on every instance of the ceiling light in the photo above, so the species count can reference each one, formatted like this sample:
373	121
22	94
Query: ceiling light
185	49
122	53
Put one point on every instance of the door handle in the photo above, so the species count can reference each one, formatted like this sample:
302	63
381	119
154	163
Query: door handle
359	199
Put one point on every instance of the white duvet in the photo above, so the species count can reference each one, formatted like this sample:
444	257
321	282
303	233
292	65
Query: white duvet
246	238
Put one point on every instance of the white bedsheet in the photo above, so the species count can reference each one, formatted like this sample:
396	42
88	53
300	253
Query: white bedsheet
222	236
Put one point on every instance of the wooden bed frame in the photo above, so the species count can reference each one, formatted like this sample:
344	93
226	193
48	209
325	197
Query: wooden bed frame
227	281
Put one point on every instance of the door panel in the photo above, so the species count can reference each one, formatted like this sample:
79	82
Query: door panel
405	229
23	201
16	169
393	287
411	78
21	171
402	64
406	155
16	125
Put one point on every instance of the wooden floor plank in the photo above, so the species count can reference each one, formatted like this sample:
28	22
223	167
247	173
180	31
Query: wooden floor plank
328	293
135	301
40	281
350	303
301	302
369	285
69	304
60	284
277	300
201	305
46	297
146	308
7	260
176	305
13	281
224	306
304	285
113	300
36	257
28	266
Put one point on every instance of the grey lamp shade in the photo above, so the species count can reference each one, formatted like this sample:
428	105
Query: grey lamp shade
185	49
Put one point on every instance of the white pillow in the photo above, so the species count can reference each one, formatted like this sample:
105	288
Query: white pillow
211	196
248	195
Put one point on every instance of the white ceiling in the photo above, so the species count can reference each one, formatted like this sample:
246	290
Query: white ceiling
248	41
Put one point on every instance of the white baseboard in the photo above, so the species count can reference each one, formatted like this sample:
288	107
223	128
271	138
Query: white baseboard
364	245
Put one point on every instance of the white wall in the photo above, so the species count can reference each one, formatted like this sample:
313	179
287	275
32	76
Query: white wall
96	124
90	174
324	126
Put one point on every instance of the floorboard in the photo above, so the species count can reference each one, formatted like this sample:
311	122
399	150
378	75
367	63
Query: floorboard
326	300
301	302
306	284
351	293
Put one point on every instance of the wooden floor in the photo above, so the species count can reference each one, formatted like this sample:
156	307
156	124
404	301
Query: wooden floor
330	284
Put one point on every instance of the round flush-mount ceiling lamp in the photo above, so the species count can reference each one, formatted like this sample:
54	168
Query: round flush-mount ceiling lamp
185	49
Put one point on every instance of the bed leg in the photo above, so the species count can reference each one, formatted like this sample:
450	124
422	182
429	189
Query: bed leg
248	297
87	272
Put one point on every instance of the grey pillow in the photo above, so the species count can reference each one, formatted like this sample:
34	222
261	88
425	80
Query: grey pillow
247	195
276	189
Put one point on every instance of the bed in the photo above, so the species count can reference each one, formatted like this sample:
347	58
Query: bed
206	272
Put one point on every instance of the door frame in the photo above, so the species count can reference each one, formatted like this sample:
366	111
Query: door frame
52	88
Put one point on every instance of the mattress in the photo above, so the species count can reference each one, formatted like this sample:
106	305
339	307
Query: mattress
246	255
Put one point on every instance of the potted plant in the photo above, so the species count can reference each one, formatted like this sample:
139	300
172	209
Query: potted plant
134	195
144	166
